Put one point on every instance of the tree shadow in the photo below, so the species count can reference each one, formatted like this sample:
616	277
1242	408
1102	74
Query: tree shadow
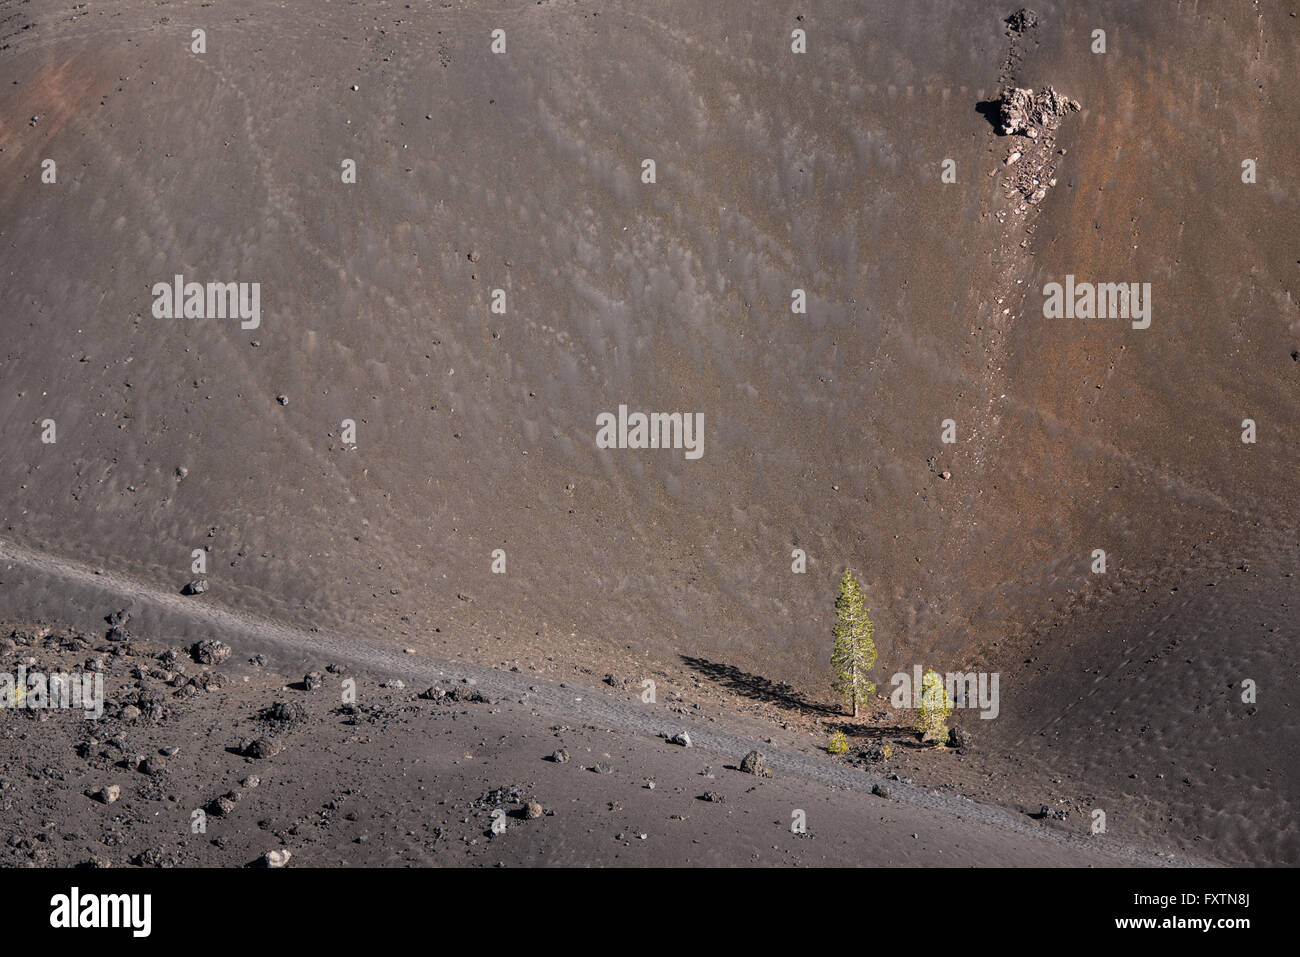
876	732
755	686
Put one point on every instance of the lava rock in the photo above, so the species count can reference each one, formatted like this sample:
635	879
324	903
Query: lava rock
223	805
210	651
109	794
285	712
960	739
154	765
466	694
117	627
1021	21
872	753
1022	111
263	747
755	763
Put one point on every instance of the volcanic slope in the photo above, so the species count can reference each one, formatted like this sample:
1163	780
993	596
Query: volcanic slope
775	171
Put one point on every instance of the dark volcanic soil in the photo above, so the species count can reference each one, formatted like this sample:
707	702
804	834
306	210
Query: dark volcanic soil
475	429
224	765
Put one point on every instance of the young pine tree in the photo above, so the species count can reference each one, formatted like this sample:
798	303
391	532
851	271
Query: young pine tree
936	707
854	654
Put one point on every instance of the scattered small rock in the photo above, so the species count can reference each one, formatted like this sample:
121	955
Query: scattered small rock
872	753
755	763
1046	813
263	747
210	651
117	625
960	739
286	712
466	694
109	794
221	806
154	765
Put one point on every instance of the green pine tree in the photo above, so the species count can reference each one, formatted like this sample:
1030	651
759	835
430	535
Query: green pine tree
854	654
936	708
